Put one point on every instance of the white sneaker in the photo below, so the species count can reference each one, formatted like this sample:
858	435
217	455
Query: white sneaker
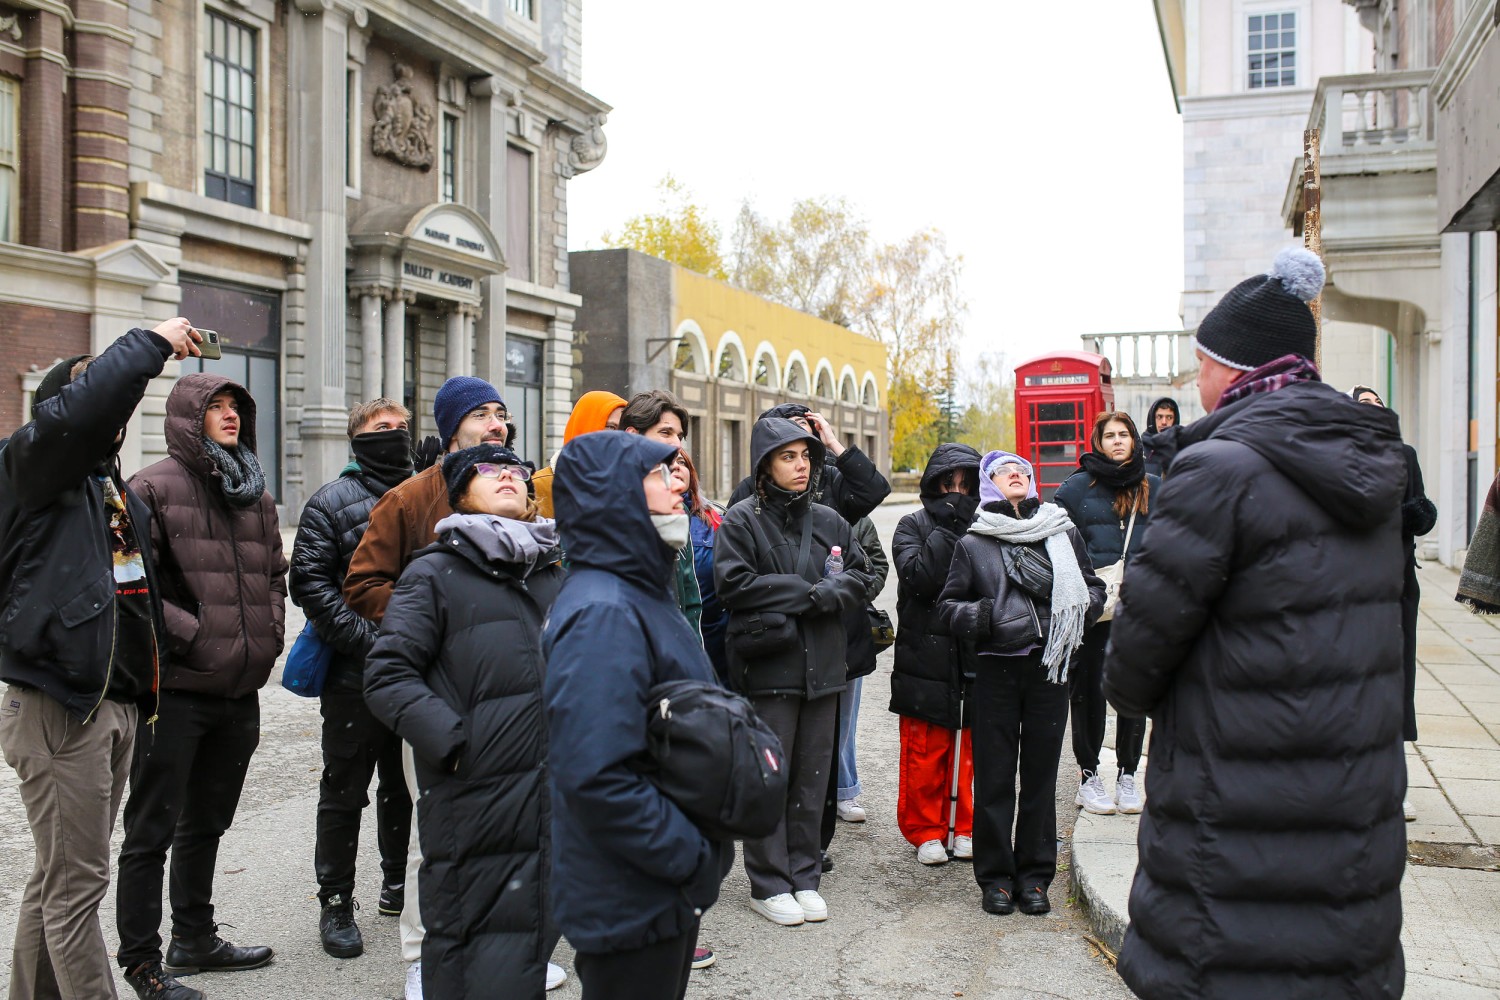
780	909
1128	795
1407	811
1093	797
814	908
850	811
933	853
555	976
414	981
963	848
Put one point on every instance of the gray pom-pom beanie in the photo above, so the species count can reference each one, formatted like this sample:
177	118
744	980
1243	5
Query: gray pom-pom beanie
1266	317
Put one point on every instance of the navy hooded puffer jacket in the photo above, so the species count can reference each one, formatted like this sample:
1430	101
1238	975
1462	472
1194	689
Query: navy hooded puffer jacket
629	868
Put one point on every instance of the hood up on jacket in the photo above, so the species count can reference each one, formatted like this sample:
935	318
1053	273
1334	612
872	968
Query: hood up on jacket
591	413
945	459
1345	455
187	405
601	506
1149	427
786	411
771	433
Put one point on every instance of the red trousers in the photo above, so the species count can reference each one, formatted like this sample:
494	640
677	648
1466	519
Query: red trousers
927	782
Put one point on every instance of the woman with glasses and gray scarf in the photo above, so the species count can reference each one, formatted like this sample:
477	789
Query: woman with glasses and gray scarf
1021	588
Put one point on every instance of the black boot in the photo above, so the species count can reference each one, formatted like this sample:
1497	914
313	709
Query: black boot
212	953
392	899
341	936
151	982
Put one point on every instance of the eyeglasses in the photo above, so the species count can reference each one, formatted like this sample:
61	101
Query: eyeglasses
486	470
1010	468
487	415
665	469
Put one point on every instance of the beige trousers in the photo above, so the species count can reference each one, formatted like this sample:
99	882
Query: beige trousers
412	930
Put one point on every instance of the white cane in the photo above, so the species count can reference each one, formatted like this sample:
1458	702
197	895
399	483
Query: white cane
958	754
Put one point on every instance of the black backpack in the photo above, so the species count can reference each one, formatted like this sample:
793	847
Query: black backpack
712	755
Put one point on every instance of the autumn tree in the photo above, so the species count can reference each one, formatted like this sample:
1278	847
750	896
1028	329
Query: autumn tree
679	232
813	262
988	388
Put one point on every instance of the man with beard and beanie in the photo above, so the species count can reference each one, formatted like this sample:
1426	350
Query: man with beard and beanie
1162	415
1260	629
355	744
214	533
846	480
80	648
932	668
632	875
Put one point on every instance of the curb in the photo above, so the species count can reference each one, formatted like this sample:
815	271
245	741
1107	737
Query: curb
1103	866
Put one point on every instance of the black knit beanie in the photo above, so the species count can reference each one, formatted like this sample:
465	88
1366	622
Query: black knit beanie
458	468
52	383
1266	317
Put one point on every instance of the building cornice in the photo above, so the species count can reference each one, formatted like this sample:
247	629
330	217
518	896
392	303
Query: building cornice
1264	104
1468	41
567	96
174	212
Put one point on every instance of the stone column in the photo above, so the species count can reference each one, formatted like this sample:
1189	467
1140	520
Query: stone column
487	120
471	318
394	384
43	93
101	122
370	345
457	342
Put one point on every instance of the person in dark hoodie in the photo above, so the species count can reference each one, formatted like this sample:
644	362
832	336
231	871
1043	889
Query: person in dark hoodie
1260	629
1418	517
632	875
215	536
845	479
457	672
1162	415
1025	628
787	642
933	668
355	744
81	636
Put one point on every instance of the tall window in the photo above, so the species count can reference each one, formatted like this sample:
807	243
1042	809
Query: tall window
228	110
450	157
351	128
523	390
518	249
523	8
1273	50
10	159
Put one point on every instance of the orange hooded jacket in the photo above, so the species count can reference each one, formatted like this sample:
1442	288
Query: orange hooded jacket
590	413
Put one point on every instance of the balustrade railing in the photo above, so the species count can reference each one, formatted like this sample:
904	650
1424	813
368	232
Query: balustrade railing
1163	354
1374	112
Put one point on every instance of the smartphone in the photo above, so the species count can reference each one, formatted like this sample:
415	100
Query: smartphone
210	348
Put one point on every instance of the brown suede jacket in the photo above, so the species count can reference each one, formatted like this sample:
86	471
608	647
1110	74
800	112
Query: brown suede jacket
401	522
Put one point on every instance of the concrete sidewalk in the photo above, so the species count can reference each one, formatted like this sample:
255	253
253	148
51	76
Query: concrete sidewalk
1451	893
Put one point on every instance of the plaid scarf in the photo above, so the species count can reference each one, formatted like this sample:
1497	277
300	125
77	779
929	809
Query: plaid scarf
1269	377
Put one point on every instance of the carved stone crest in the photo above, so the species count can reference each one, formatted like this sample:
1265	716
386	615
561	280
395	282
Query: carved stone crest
403	126
587	149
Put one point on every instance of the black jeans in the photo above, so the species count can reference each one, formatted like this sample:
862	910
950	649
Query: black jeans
789	860
1018	720
656	972
185	782
1090	711
355	747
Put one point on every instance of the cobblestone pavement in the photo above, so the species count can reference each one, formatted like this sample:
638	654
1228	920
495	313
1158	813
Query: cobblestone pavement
897	929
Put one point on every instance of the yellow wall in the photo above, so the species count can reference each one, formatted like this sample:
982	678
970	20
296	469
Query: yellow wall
717	308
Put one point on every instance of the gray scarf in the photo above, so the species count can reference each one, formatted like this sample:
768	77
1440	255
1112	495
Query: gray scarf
239	473
504	539
1070	595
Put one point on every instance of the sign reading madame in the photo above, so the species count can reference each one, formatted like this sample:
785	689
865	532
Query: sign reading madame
449	229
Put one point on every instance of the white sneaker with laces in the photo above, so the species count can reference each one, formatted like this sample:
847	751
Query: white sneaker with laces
850	811
1128	795
963	848
933	853
1407	811
555	976
414	981
779	909
1093	797
814	908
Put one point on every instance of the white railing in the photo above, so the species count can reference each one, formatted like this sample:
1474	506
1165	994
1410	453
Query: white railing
1162	354
1374	112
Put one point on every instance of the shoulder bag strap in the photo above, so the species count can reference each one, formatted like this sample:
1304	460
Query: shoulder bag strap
1128	532
803	569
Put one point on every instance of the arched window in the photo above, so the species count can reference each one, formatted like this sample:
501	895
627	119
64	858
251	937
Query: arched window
731	366
796	378
847	392
763	372
687	356
870	397
825	384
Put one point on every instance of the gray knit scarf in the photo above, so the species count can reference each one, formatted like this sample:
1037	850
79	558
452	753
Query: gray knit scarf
1070	595
504	539
239	473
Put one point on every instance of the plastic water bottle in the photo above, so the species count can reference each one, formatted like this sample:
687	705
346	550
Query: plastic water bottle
835	563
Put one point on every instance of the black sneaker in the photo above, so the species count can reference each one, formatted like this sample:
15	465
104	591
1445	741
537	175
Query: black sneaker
827	863
151	982
341	936
392	899
1034	901
211	953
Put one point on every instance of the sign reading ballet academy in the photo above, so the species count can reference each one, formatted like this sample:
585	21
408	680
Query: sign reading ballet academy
441	250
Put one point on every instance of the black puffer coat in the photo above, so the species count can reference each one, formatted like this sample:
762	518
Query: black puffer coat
755	569
929	678
457	672
1261	631
862	652
850	484
1091	508
1156	463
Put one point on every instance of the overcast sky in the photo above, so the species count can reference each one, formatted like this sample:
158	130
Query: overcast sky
1040	137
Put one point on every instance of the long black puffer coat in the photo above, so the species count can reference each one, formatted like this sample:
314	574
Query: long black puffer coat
929	678
457	672
755	569
862	652
1261	631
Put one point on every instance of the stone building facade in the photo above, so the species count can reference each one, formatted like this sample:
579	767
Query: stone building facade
363	197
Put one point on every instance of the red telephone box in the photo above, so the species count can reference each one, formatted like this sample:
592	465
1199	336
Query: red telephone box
1057	398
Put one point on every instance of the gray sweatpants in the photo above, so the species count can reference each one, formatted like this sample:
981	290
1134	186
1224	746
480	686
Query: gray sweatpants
789	860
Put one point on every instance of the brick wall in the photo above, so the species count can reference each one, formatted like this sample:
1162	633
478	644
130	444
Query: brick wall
31	335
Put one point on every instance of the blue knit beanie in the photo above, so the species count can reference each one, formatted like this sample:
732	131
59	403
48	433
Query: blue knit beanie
456	398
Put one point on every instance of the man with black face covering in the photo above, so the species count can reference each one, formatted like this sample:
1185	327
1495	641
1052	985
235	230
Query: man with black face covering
355	744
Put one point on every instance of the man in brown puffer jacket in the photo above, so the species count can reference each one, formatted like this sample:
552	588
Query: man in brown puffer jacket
216	540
